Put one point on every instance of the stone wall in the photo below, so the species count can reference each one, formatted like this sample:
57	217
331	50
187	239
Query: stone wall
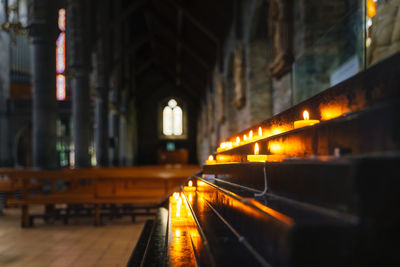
324	35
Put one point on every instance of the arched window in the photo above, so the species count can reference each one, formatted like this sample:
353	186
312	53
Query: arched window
172	118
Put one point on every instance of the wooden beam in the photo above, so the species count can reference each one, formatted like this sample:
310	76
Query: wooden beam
199	25
135	5
168	48
163	26
196	22
187	87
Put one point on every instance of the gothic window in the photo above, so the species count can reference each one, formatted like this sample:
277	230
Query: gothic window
172	119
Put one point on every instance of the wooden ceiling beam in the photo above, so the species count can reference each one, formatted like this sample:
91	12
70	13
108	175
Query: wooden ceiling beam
174	60
189	89
132	8
163	26
199	25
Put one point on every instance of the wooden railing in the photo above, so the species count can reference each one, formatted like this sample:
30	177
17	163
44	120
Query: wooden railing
144	186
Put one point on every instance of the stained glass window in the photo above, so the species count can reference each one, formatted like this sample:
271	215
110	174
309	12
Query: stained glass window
60	57
172	118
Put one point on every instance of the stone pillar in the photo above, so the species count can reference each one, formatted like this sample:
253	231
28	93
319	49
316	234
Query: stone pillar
101	86
43	28
101	130
78	63
114	134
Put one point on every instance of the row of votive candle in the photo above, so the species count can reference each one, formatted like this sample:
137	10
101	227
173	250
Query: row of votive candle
251	137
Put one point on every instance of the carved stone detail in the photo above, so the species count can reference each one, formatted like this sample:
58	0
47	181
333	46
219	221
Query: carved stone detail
281	30
220	98
239	76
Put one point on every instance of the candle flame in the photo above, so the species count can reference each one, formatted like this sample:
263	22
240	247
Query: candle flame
190	184
176	195
251	134
237	140
259	131
210	158
245	137
306	115
256	149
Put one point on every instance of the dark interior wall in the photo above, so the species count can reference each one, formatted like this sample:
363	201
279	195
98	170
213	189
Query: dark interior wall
149	124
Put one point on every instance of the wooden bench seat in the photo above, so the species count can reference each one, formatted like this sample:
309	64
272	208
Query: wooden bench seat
144	186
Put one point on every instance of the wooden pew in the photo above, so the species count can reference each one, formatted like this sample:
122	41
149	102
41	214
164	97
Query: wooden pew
140	187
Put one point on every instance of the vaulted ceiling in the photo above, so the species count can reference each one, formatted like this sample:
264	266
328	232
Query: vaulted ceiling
180	40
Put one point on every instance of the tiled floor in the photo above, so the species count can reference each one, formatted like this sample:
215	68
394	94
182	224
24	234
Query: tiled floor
77	244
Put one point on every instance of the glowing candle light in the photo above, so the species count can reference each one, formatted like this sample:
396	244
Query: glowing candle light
176	195
306	121
190	183
237	140
259	131
210	160
256	157
251	134
245	137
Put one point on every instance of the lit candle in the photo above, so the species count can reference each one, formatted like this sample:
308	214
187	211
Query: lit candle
251	134
260	132
237	141
245	138
210	160
306	121
256	157
190	186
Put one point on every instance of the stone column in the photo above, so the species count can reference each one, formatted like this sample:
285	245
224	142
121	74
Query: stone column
101	129
43	28
78	63
101	86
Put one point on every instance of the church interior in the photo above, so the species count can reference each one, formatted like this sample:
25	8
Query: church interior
199	133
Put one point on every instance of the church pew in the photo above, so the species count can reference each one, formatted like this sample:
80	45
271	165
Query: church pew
140	187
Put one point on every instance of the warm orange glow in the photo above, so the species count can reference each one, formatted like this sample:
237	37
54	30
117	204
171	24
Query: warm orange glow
256	149
210	157
176	195
275	147
260	132
184	231
371	8
245	137
291	147
306	115
228	158
237	140
251	134
334	109
177	233
276	214
190	183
